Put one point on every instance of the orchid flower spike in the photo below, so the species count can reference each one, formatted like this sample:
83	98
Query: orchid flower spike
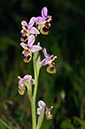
21	83
28	29
49	60
43	21
29	48
42	104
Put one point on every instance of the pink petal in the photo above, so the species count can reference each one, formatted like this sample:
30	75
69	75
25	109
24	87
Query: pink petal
33	30
24	23
39	111
44	12
49	17
23	45
35	48
31	40
45	53
41	104
44	62
21	82
31	22
39	20
27	77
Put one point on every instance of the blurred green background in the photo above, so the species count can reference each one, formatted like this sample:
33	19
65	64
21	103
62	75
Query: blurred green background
66	39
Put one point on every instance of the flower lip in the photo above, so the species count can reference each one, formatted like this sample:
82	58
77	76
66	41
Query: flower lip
45	29
25	33
24	38
27	54
47	25
21	90
27	58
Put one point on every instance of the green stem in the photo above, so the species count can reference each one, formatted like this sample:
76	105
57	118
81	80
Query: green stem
36	85
33	105
33	115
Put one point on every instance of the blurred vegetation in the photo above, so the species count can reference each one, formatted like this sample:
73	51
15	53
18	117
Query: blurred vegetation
66	39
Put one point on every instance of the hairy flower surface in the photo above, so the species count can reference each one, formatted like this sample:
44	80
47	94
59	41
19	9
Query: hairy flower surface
43	21
22	81
28	29
29	48
49	60
42	104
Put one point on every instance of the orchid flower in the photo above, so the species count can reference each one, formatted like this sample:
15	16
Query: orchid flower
29	48
49	60
28	29
40	19
21	83
43	21
41	104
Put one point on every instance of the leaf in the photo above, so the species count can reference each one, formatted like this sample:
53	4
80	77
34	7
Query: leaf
40	119
29	90
38	64
37	60
66	124
80	121
4	123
